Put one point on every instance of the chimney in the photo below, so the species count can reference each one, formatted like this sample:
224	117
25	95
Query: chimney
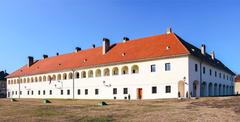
30	61
57	54
77	49
203	49
93	45
45	56
125	39
213	55
106	45
169	30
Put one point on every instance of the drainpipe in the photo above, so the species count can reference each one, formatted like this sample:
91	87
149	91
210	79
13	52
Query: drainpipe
19	87
73	84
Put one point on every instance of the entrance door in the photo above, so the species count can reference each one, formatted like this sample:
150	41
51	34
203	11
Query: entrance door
139	93
181	89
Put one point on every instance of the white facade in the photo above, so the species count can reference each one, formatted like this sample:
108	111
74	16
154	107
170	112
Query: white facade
140	85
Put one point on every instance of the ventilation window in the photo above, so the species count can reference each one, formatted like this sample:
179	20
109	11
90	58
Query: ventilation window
123	54
85	60
168	47
193	50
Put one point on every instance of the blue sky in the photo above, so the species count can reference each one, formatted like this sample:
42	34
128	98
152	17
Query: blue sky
37	27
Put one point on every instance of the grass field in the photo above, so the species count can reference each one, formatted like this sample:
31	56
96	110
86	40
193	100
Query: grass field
204	109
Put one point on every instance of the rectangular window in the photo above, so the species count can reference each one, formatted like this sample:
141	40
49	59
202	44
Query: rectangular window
44	92
167	67
153	68
32	92
154	90
50	92
61	92
220	75
223	76
12	92
79	91
210	72
20	92
215	73
86	91
125	90
68	92
168	89
28	92
204	70
114	90
16	92
196	67
96	91
39	92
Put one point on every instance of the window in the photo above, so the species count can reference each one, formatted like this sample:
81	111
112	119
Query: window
39	92
50	92
223	76
115	71
215	73
28	92
32	92
204	70
167	67
79	91
68	92
96	91
77	75
220	75
86	91
153	68
114	90
12	92
210	72
125	90
168	89
196	67
44	92
20	92
154	90
61	92
16	92
135	69
124	70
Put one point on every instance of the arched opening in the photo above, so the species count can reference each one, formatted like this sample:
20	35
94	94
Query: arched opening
98	73
224	90
24	80
77	75
28	80
49	78
40	78
83	74
70	75
124	70
115	71
106	72
195	89
32	80
203	89
210	89
36	79
90	73
135	69
181	89
54	77
220	90
44	78
215	89
64	76
59	77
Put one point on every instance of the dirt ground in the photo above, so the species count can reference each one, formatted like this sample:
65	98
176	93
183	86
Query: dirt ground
204	109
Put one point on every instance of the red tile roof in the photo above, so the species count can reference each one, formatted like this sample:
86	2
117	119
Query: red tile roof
237	79
134	50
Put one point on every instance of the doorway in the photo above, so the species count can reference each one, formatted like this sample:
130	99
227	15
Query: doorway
139	93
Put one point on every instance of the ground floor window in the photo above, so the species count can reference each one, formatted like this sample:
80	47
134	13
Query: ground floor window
68	92
154	90
168	89
79	91
32	92
44	92
61	92
114	90
28	92
86	91
12	92
96	91
50	92
16	92
39	92
125	90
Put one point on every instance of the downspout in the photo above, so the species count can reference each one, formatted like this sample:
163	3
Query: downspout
19	87
73	84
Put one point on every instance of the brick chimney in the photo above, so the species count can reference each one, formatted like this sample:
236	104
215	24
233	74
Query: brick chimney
106	45
30	61
213	55
169	30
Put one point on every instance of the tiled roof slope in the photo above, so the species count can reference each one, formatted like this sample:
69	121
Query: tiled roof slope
134	50
237	79
207	58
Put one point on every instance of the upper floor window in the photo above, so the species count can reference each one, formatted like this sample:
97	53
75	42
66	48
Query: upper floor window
153	68
196	67
223	76
68	92
135	69
204	70
167	67
220	75
114	90
215	73
125	90
168	89
96	91
210	72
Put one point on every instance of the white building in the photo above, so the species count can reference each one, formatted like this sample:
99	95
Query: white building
161	66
